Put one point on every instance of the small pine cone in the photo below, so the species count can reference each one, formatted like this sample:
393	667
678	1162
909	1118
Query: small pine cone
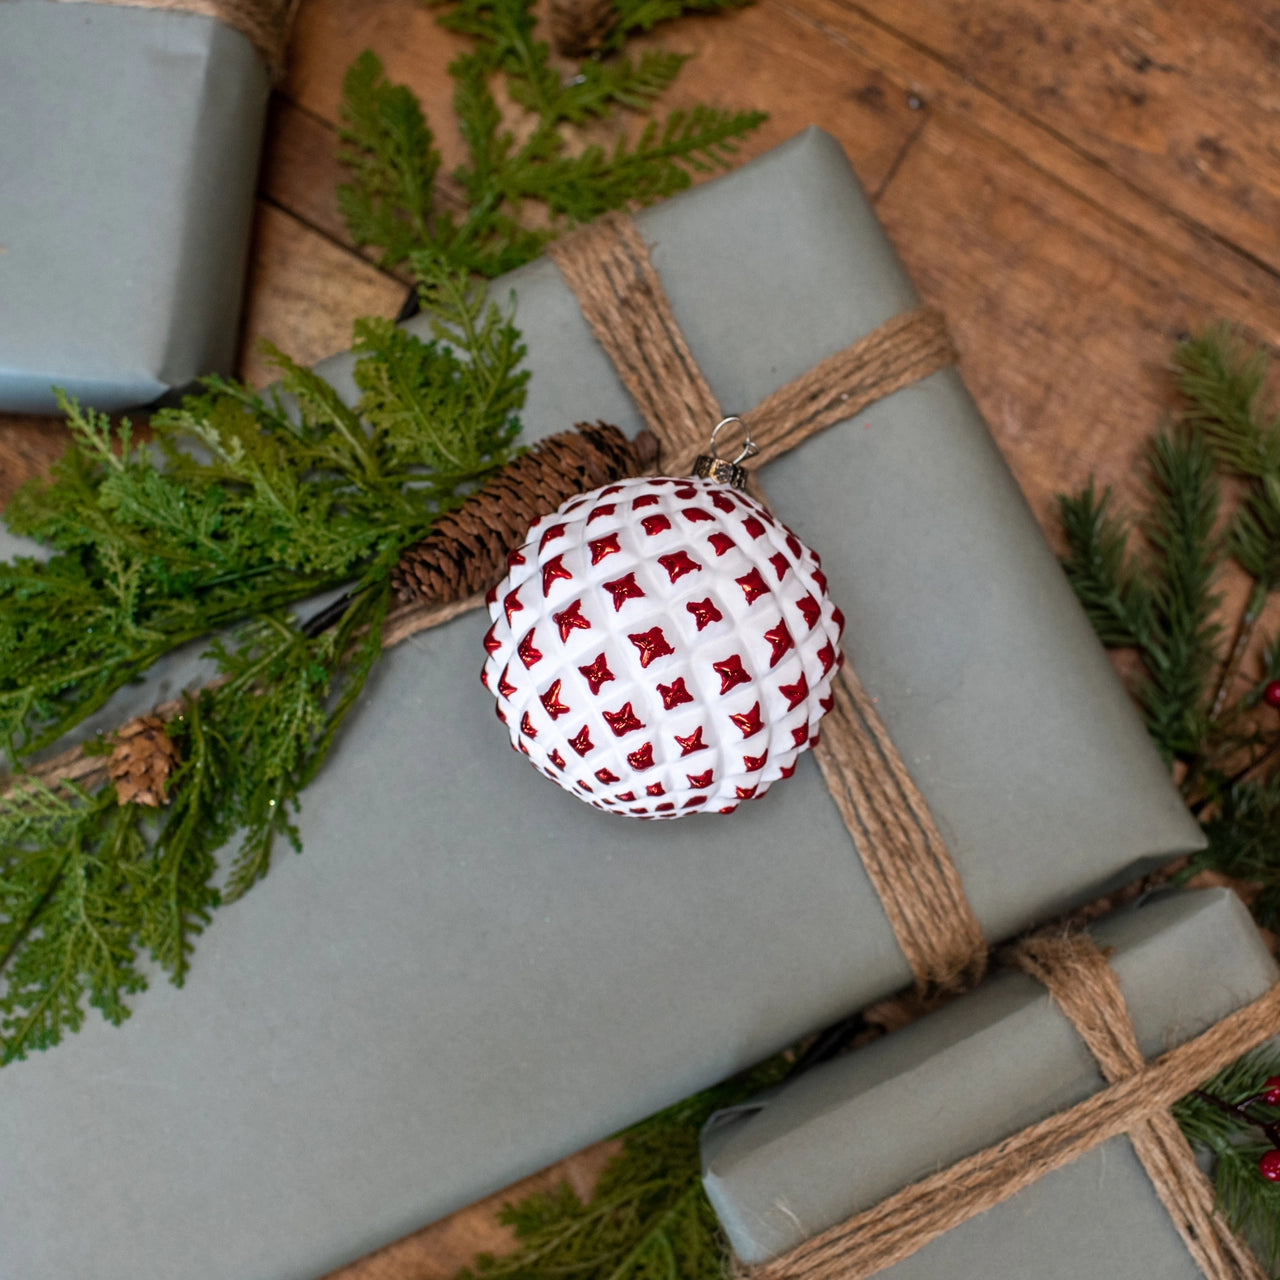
143	758
579	28
467	550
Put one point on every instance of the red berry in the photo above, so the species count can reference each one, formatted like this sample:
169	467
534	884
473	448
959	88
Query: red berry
1269	1166
1271	1091
1271	694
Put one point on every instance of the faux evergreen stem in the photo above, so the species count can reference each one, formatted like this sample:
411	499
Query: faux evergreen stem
1245	627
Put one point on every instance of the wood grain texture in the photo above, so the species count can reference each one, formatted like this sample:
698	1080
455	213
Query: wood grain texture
1074	182
1178	99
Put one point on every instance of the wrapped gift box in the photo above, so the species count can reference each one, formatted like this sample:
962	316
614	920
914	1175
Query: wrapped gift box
845	1135
129	142
468	973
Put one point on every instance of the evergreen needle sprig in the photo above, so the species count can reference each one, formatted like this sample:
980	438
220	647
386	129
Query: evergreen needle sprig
1160	600
1235	1142
392	200
245	505
648	1217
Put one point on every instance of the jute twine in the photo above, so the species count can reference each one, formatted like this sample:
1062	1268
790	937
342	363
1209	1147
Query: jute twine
607	266
1136	1102
266	23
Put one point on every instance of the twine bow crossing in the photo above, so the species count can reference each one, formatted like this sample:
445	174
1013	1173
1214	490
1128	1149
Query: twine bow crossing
1136	1102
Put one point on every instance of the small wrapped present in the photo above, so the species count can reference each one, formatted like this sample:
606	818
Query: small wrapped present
800	1178
469	973
129	144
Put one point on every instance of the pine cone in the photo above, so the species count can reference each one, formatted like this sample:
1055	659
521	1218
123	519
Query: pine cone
579	28
467	550
143	758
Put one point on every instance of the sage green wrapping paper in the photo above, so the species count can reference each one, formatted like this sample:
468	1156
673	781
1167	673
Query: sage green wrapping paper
849	1133
468	973
129	143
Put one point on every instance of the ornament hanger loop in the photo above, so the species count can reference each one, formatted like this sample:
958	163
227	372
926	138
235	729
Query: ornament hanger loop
749	449
711	466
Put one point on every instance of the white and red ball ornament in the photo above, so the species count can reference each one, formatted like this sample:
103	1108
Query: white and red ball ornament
663	646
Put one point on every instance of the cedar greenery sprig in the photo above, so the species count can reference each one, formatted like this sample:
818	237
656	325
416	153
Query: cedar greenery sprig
260	501
392	201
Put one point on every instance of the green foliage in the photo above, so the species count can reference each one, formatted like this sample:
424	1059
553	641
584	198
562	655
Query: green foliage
1223	383
1161	604
644	15
260	501
1159	601
392	201
1250	1203
647	1219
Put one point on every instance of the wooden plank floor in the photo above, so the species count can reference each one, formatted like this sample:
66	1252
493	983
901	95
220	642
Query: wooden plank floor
1074	182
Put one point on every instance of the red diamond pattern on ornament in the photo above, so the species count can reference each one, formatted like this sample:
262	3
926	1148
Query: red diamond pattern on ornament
601	547
696	638
597	673
552	572
674	695
570	618
652	644
514	559
528	654
704	612
678	563
753	585
810	610
623	721
795	694
731	673
624	589
780	639
551	701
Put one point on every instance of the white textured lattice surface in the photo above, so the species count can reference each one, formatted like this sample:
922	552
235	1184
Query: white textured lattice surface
662	646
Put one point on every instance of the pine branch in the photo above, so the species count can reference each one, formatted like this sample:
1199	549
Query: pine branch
1162	604
1182	653
1250	1204
1097	567
647	1219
